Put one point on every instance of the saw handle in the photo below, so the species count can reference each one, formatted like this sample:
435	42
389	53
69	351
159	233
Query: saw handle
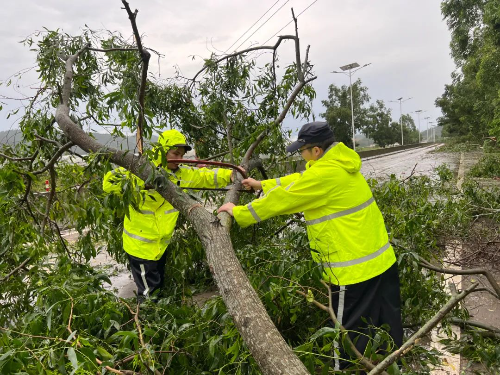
209	162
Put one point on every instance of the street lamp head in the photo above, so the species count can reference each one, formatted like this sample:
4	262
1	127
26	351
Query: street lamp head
366	65
349	66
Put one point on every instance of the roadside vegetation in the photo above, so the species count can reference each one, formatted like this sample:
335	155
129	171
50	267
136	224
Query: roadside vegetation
57	317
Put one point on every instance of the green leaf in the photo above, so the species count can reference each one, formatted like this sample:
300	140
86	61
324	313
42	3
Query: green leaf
104	353
310	296
72	358
323	331
71	336
131	334
211	345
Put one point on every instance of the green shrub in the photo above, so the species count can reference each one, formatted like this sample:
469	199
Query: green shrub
488	166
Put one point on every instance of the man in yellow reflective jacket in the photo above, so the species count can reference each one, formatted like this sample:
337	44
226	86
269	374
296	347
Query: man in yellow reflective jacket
147	230
345	227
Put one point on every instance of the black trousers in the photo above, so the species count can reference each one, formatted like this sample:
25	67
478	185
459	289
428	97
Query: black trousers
149	275
372	302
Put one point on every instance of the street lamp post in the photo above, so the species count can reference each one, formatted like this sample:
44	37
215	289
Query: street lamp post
427	132
400	100
418	112
349	68
433	130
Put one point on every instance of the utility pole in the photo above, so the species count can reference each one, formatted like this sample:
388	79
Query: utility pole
400	114
433	131
349	68
418	112
427	132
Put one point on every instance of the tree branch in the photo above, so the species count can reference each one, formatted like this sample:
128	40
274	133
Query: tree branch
13	272
364	361
473	271
217	155
145	56
65	92
54	158
298	61
345	334
14	158
278	121
233	195
229	127
304	67
50	198
472	323
135	314
426	328
61	239
262	338
133	49
29	184
280	39
47	140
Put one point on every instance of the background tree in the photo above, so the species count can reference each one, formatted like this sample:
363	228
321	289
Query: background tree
380	126
410	132
338	110
471	103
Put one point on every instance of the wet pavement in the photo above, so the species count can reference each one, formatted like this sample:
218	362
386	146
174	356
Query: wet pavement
122	283
420	162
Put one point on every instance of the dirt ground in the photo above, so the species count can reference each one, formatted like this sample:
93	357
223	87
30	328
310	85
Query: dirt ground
481	251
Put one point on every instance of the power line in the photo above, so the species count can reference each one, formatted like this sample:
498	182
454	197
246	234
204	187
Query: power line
267	11
310	5
263	24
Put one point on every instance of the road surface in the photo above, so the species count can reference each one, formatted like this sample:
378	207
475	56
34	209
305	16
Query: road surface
422	160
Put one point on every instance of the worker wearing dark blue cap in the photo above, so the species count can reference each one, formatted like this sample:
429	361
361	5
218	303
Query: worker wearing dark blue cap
346	232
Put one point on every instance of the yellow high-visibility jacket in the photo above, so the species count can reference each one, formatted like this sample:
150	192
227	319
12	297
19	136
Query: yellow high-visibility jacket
147	233
345	227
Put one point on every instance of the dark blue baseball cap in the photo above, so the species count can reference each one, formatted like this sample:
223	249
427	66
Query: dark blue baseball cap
313	132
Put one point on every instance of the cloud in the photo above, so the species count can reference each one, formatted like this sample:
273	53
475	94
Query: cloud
406	42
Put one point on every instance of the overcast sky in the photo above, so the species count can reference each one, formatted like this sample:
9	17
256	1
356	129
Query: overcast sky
406	42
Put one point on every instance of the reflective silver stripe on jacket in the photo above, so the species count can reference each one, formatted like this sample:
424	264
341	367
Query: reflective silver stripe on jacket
289	186
252	211
170	211
143	276
274	187
359	260
135	236
341	213
216	184
340	317
278	181
146	212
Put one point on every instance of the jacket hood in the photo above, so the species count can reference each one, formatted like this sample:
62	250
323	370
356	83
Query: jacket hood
342	155
167	140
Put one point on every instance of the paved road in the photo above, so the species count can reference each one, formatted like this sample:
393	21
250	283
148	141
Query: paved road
402	163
